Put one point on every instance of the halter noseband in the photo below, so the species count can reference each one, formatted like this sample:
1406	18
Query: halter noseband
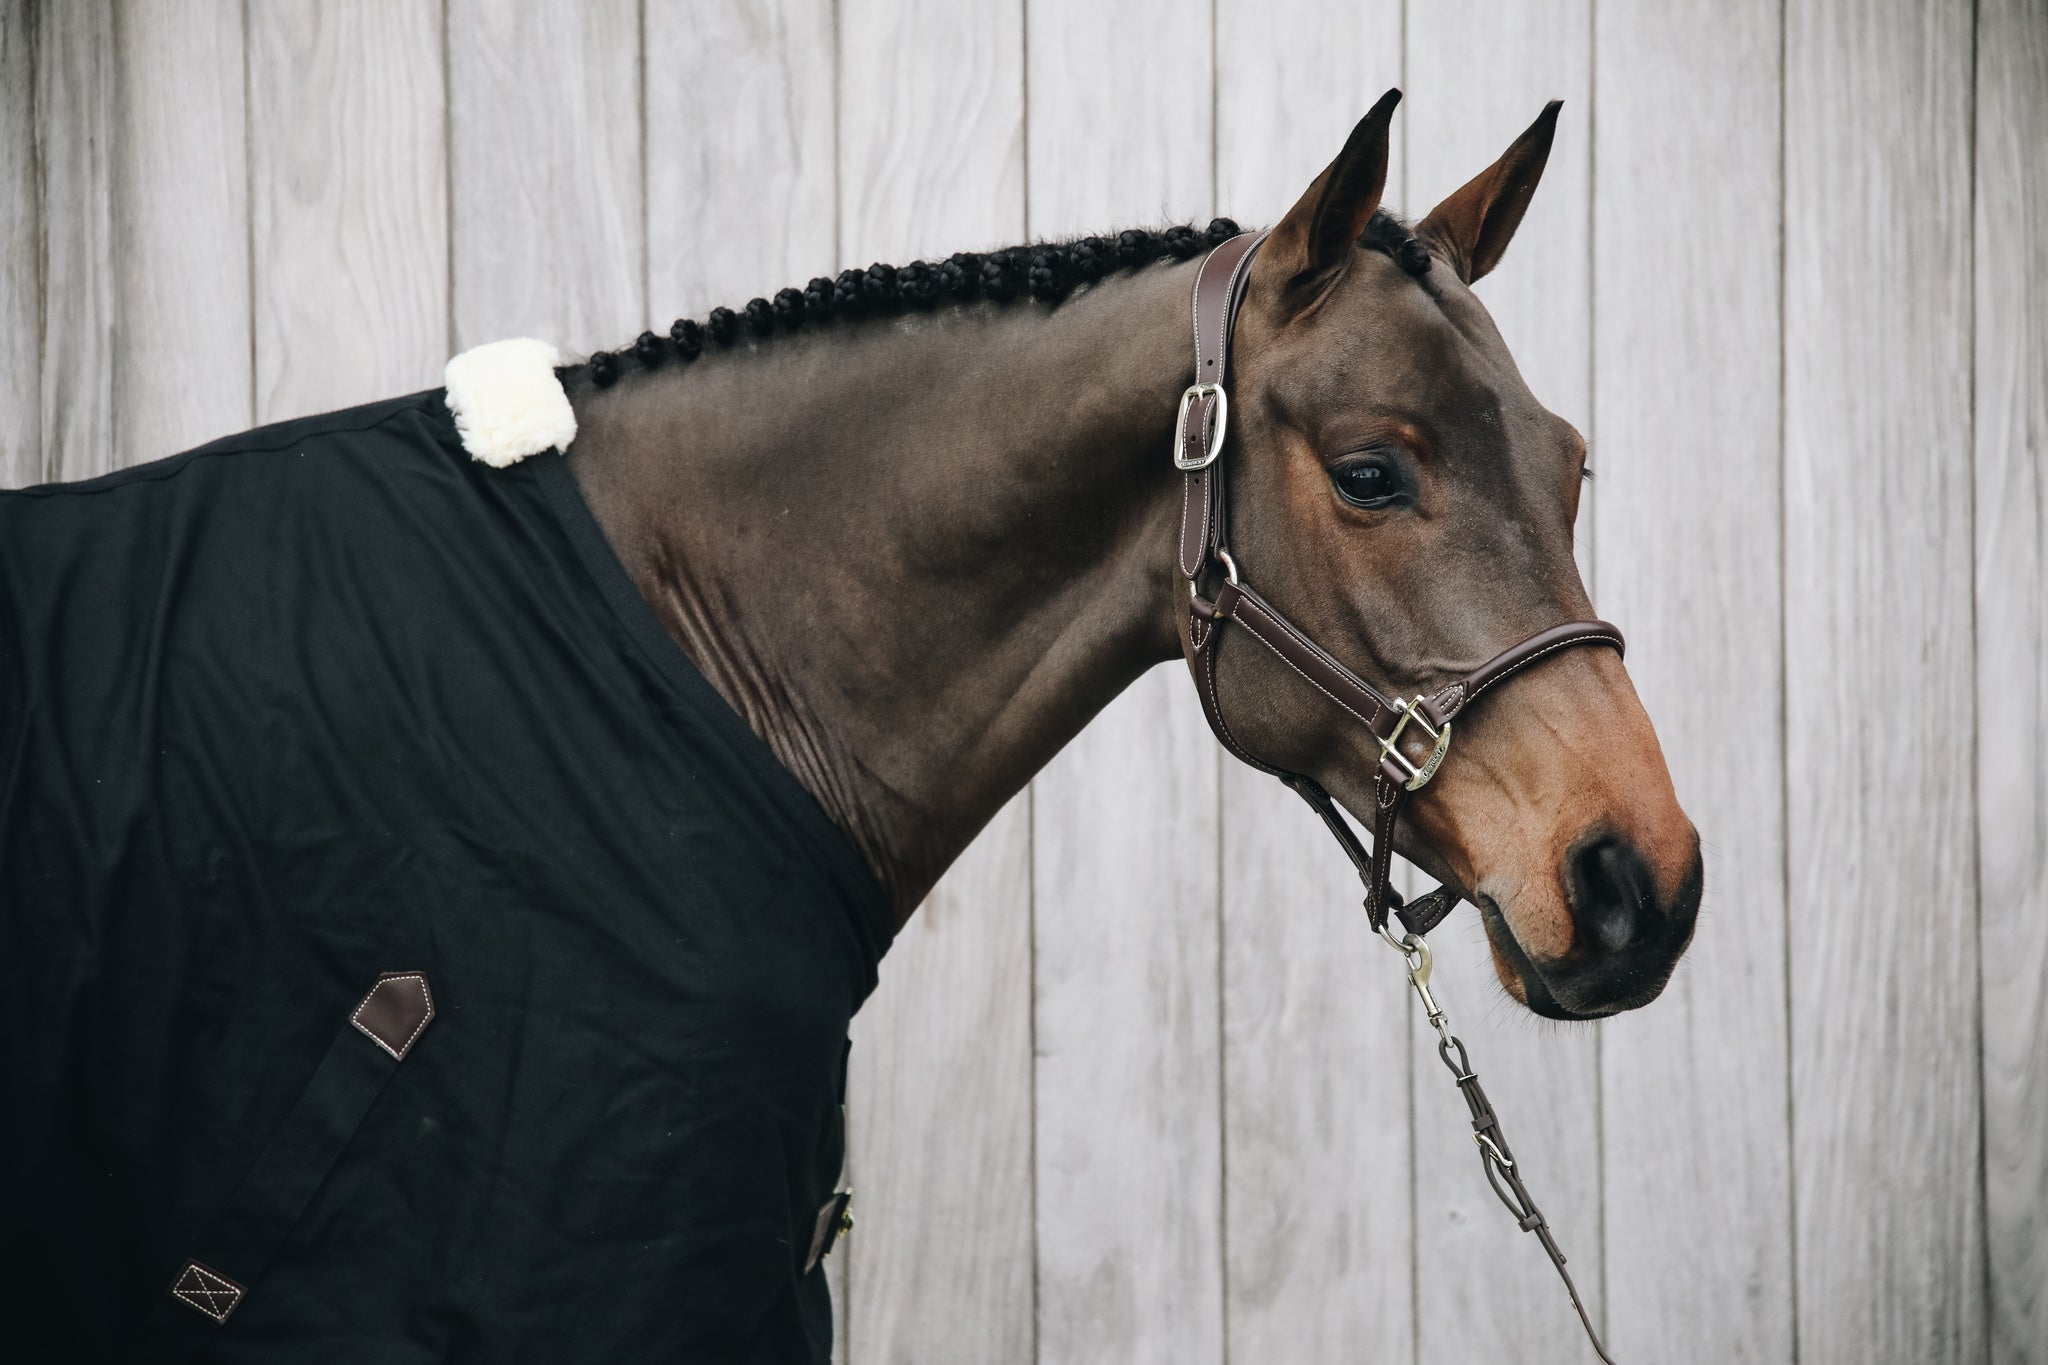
1205	546
1199	432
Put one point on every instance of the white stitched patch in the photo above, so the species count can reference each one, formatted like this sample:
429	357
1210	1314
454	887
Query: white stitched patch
507	402
212	1294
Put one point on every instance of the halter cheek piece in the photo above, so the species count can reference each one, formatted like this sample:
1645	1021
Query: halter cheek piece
1199	431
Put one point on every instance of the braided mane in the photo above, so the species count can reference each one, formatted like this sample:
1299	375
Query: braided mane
1046	271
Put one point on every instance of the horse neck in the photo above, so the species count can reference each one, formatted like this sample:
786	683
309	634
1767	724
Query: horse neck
916	555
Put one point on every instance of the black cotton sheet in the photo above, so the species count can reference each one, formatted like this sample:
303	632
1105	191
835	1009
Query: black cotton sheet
326	701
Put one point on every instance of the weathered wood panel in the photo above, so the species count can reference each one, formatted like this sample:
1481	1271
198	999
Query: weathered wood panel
1694	1099
1125	923
741	180
74	128
2012	659
181	228
1316	1056
1478	74
348	181
196	234
546	200
1879	686
931	161
21	253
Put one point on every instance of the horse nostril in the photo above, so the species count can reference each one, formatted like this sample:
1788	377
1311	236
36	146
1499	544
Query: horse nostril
1611	893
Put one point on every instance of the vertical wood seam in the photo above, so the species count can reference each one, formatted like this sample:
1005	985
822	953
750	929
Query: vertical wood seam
1408	1024
1031	1004
1590	515
1031	816
646	205
1984	1286
838	174
1024	83
452	341
1216	757
249	212
40	233
114	71
850	1270
1784	708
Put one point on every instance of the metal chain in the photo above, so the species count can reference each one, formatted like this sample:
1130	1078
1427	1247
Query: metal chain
1495	1156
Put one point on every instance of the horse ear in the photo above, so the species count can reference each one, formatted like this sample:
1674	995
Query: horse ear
1317	234
1474	226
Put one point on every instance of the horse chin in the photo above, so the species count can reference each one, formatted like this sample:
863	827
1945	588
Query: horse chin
1528	985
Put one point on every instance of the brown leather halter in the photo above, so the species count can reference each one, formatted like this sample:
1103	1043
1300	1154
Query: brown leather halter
1199	435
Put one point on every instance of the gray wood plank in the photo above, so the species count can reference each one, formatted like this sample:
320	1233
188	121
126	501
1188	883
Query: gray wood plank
349	203
1477	75
1880	692
931	161
74	121
2012	660
1125	933
1317	1061
546	201
741	180
181	228
1687	460
940	1265
21	254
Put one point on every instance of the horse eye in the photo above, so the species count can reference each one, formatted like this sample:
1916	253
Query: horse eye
1367	483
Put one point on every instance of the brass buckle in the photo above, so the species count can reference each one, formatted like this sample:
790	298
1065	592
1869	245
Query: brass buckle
1390	746
1180	427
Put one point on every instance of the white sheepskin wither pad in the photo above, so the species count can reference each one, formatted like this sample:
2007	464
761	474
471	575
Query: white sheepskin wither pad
507	402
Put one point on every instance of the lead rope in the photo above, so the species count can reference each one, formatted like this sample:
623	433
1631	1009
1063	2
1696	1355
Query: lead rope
1495	1156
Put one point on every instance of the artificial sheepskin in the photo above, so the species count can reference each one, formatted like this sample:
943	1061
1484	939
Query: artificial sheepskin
507	402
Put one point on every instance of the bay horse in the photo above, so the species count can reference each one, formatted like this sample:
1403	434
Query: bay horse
437	892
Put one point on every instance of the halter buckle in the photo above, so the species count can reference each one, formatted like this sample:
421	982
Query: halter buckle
1390	746
1188	399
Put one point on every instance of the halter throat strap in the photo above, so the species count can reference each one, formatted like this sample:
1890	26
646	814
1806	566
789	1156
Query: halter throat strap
1413	736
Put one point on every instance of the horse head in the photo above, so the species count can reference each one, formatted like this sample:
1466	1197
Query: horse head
1410	503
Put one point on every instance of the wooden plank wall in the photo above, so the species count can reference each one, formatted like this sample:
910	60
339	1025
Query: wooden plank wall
1788	270
1685	445
2010	417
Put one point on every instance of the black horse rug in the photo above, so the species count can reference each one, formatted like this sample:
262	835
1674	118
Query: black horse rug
405	955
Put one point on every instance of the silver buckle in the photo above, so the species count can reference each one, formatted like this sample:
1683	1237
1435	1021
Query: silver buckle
1180	427
1390	746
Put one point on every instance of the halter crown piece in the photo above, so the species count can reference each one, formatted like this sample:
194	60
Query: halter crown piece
1200	432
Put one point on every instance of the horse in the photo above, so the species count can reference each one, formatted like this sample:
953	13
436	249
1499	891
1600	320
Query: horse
442	859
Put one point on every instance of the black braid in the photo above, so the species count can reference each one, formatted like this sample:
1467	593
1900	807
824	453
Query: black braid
918	284
1092	257
846	292
960	276
1001	273
1044	271
1391	237
688	336
878	287
1048	275
818	299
